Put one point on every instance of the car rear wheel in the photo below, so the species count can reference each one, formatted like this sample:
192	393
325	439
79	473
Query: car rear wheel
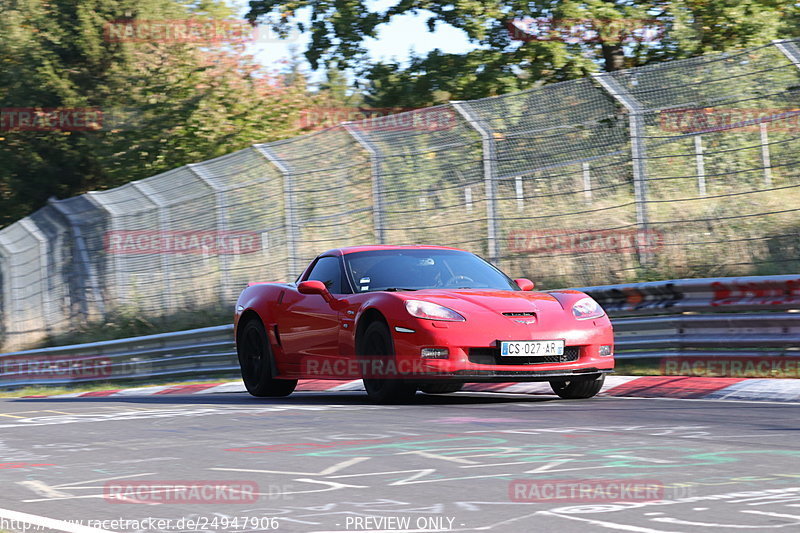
441	388
376	342
255	360
578	388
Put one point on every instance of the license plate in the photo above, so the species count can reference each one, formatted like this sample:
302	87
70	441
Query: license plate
531	348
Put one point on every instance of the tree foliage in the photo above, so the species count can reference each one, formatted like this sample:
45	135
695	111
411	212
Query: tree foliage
499	63
163	104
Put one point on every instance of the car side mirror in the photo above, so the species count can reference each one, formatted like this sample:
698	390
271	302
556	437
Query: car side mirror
524	284
315	287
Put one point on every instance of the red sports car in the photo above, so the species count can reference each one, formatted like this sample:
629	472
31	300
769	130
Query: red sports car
408	318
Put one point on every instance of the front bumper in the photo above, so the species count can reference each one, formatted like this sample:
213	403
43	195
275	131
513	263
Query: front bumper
474	351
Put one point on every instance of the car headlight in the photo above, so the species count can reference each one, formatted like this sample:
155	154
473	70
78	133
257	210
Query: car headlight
587	308
432	311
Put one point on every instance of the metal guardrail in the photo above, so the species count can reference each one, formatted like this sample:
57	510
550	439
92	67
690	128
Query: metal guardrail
197	353
756	316
753	316
746	334
705	295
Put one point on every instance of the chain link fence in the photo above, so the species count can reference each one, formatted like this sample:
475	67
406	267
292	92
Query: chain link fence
677	169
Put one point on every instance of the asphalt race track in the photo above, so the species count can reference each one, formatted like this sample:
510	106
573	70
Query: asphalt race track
319	461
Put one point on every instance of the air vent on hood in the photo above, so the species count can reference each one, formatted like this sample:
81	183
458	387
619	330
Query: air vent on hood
520	313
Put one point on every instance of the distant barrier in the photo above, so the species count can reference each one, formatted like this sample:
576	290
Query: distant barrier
663	170
754	316
197	353
693	319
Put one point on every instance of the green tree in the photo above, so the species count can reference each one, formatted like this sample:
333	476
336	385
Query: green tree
163	104
501	63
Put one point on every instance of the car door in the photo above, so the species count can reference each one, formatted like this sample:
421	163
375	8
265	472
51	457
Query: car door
308	325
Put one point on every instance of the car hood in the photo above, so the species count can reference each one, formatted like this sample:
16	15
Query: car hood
493	301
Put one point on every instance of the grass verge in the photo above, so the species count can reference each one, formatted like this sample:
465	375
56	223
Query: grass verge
124	323
105	385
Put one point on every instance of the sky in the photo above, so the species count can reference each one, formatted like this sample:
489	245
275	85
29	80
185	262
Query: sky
395	40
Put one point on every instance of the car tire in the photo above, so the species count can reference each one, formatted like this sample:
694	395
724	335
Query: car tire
376	341
441	388
576	389
256	362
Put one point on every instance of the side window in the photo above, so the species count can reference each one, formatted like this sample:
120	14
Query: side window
328	271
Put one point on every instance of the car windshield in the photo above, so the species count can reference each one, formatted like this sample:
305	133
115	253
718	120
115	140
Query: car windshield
416	269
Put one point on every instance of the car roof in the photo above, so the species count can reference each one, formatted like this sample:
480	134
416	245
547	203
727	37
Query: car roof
374	247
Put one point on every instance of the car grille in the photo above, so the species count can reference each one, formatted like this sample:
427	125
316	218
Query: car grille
491	356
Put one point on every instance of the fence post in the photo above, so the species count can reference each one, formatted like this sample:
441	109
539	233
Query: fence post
587	183
292	236
378	203
489	162
765	159
5	296
44	272
222	227
638	154
88	273
163	222
120	286
701	165
790	49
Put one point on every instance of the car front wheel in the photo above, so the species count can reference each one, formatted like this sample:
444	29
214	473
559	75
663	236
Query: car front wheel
578	388
376	344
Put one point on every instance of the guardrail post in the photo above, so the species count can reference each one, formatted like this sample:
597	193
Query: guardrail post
489	163
292	233
638	154
378	209
222	227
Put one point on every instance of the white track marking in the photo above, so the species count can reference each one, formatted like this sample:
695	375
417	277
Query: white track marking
609	525
356	385
326	472
138	392
234	386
